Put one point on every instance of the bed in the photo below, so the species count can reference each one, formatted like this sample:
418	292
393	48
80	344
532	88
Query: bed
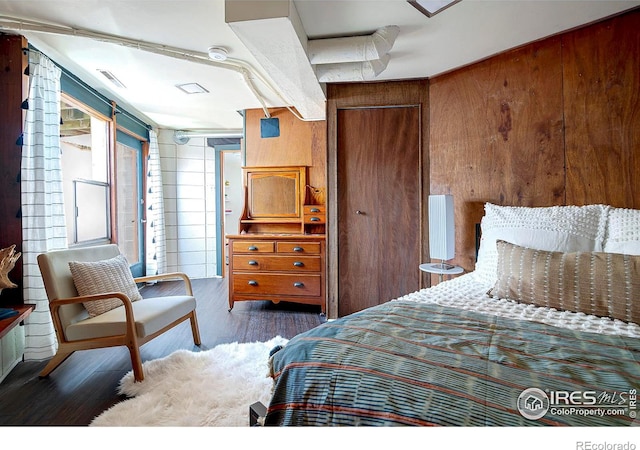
545	331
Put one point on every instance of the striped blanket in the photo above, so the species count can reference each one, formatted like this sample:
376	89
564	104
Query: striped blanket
410	363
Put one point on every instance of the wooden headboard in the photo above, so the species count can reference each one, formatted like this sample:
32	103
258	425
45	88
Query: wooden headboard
534	126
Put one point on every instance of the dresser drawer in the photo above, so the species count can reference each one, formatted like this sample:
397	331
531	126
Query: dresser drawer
309	248
277	284
253	246
314	209
314	219
314	214
277	263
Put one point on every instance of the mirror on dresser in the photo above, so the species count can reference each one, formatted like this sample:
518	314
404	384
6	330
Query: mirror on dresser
274	199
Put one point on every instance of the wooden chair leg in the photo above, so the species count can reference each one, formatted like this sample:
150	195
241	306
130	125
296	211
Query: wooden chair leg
136	363
54	362
194	328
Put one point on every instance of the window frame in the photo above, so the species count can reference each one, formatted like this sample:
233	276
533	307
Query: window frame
77	104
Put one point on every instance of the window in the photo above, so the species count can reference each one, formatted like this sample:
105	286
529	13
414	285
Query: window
103	149
84	141
101	208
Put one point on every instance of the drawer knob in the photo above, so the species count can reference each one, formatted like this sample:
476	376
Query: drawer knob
315	210
298	264
298	284
253	263
253	248
253	283
298	249
315	219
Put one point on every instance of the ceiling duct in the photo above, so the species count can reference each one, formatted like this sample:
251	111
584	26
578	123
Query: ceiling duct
272	31
356	71
353	49
356	58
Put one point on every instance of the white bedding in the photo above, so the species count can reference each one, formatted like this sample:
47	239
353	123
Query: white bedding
468	292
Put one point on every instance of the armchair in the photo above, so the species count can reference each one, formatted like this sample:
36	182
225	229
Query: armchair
131	324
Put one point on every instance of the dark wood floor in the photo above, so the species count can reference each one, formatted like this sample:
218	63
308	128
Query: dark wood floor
85	384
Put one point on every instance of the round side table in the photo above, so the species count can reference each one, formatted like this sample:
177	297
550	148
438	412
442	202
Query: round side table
441	269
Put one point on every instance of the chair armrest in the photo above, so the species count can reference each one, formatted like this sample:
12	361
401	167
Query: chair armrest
166	277
55	304
58	302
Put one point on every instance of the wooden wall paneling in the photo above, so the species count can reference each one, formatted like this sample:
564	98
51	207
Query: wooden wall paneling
355	95
496	136
14	90
301	143
602	101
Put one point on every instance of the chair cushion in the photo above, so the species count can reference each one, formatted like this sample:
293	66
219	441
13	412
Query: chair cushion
151	315
99	277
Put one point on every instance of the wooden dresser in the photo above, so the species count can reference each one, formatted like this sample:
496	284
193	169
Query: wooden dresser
277	268
279	254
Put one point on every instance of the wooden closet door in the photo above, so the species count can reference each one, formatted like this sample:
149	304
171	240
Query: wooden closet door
379	208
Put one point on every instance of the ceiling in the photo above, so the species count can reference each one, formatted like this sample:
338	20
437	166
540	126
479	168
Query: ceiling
268	65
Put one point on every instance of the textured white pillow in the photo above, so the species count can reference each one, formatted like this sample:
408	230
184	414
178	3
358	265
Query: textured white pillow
552	228
623	231
99	277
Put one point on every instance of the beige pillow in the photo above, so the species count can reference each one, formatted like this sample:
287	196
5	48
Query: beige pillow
99	277
602	284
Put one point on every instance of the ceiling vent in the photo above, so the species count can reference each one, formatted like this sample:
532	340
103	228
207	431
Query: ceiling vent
112	78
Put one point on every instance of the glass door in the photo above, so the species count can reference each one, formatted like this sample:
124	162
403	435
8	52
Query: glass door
129	216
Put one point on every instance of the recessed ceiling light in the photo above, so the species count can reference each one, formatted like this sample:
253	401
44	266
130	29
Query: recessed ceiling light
432	7
191	88
218	53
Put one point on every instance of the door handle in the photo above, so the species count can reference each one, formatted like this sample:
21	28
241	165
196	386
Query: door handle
361	213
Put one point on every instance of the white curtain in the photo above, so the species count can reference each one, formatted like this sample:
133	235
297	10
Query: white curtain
156	247
43	219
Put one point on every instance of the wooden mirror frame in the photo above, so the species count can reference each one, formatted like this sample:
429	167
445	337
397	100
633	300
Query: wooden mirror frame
275	192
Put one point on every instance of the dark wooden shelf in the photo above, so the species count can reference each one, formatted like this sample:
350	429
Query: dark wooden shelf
9	323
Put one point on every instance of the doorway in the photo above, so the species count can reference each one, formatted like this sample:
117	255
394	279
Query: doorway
379	205
230	201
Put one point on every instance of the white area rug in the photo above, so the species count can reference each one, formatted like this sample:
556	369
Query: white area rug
210	388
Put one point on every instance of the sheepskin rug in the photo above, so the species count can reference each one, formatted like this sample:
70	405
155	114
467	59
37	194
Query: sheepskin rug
209	388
